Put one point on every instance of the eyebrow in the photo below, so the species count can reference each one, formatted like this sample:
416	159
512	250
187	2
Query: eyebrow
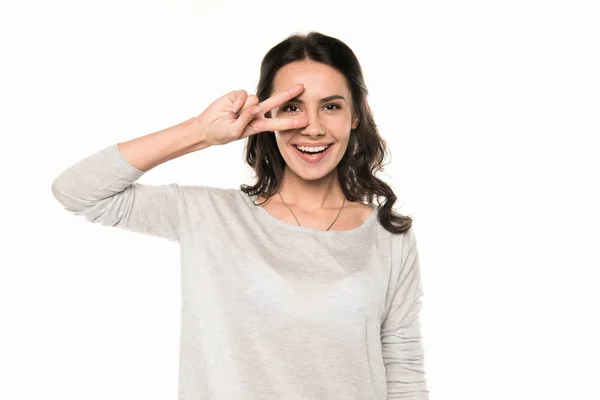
323	100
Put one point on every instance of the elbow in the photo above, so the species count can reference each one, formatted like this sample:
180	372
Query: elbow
62	194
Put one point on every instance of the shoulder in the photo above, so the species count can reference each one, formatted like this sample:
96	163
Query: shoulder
211	193
206	190
360	212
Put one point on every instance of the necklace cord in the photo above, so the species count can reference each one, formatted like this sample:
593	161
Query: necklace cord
296	218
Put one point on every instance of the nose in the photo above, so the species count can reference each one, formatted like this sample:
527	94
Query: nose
314	127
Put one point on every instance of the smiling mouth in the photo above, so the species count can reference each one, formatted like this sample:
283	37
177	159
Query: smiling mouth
324	148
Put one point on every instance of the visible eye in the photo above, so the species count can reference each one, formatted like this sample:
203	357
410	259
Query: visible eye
286	108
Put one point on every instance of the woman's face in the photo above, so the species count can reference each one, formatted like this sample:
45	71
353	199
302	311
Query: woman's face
330	119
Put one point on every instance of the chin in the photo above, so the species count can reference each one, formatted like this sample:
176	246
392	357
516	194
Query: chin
311	175
310	171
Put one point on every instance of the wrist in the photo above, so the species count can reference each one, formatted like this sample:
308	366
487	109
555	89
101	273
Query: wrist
195	134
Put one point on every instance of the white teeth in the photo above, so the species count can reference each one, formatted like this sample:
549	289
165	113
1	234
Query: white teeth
312	148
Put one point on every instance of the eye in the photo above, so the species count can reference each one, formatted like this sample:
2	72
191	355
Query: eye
286	107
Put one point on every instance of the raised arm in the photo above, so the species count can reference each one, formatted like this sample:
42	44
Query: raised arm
102	187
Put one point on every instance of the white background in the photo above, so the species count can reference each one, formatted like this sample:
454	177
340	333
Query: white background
491	113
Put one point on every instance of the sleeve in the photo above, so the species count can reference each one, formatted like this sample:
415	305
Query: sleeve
403	353
102	188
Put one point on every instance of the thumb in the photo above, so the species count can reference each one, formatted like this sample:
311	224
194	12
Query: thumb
244	119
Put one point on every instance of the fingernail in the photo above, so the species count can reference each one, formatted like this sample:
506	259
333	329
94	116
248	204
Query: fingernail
256	111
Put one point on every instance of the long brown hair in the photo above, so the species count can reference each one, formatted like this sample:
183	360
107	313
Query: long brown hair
366	150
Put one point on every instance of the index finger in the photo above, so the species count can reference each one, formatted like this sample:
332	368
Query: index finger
281	97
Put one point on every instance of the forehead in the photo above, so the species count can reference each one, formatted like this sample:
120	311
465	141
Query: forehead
318	78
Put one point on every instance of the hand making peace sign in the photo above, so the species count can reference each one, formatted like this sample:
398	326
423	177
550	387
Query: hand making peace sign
237	115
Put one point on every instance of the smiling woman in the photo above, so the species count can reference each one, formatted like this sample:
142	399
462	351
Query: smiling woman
311	151
334	101
310	294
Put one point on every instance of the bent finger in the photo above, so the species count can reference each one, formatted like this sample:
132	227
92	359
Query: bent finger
251	100
238	98
246	115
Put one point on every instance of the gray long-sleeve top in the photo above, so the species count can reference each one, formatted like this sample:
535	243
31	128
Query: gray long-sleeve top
269	310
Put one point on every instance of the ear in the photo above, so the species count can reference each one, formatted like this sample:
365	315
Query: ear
355	122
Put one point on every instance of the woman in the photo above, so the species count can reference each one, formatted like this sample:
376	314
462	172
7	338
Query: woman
296	287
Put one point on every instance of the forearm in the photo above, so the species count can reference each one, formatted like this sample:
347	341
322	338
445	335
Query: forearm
148	151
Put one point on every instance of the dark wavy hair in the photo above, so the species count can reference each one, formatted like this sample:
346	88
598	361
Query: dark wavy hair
366	150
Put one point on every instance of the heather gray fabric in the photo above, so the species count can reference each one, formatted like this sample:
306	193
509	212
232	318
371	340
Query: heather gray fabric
269	310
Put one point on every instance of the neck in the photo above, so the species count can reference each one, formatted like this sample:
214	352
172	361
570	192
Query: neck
311	195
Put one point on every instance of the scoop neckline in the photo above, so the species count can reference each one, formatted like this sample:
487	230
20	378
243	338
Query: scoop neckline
268	218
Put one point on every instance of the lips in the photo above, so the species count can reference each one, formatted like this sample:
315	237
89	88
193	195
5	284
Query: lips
313	158
307	149
311	144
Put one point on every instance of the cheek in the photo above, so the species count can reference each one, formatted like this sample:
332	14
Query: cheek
281	138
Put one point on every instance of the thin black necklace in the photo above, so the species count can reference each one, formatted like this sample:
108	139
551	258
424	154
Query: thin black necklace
336	218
